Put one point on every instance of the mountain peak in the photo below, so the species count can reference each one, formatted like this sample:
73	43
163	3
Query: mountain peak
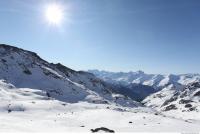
139	72
25	69
8	49
139	77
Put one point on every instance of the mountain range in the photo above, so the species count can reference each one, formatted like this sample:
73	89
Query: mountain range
168	93
25	69
157	81
35	92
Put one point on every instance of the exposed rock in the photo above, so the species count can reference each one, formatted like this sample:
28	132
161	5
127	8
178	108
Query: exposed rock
197	93
102	129
196	84
3	60
192	109
170	107
183	101
28	72
183	94
156	114
174	98
188	105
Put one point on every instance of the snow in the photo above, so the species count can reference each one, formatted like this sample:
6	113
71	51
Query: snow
186	104
157	99
33	111
37	96
25	69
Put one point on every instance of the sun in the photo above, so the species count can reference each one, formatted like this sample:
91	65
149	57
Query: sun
54	14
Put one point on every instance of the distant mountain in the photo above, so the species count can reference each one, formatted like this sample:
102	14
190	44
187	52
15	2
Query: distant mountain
135	91
180	93
139	84
25	69
157	81
48	97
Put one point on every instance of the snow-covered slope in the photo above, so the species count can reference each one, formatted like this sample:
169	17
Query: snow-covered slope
25	69
184	103
30	110
173	95
37	96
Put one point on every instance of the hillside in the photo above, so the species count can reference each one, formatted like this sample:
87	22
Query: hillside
48	97
25	69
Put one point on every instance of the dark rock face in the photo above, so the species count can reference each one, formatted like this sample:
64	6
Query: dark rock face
188	105
3	60
170	107
192	109
11	49
63	69
184	94
182	101
28	72
197	93
195	85
174	98
102	129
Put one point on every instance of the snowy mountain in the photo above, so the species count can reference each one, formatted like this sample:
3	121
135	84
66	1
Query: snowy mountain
47	97
138	85
156	81
30	110
25	69
183	102
176	95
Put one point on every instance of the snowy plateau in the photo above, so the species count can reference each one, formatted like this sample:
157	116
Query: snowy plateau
38	96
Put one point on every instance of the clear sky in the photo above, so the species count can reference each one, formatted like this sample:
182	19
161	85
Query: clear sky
156	36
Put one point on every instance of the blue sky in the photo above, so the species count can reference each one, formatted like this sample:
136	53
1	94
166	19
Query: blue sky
156	36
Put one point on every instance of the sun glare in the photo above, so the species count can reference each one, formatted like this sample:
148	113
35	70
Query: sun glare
54	14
